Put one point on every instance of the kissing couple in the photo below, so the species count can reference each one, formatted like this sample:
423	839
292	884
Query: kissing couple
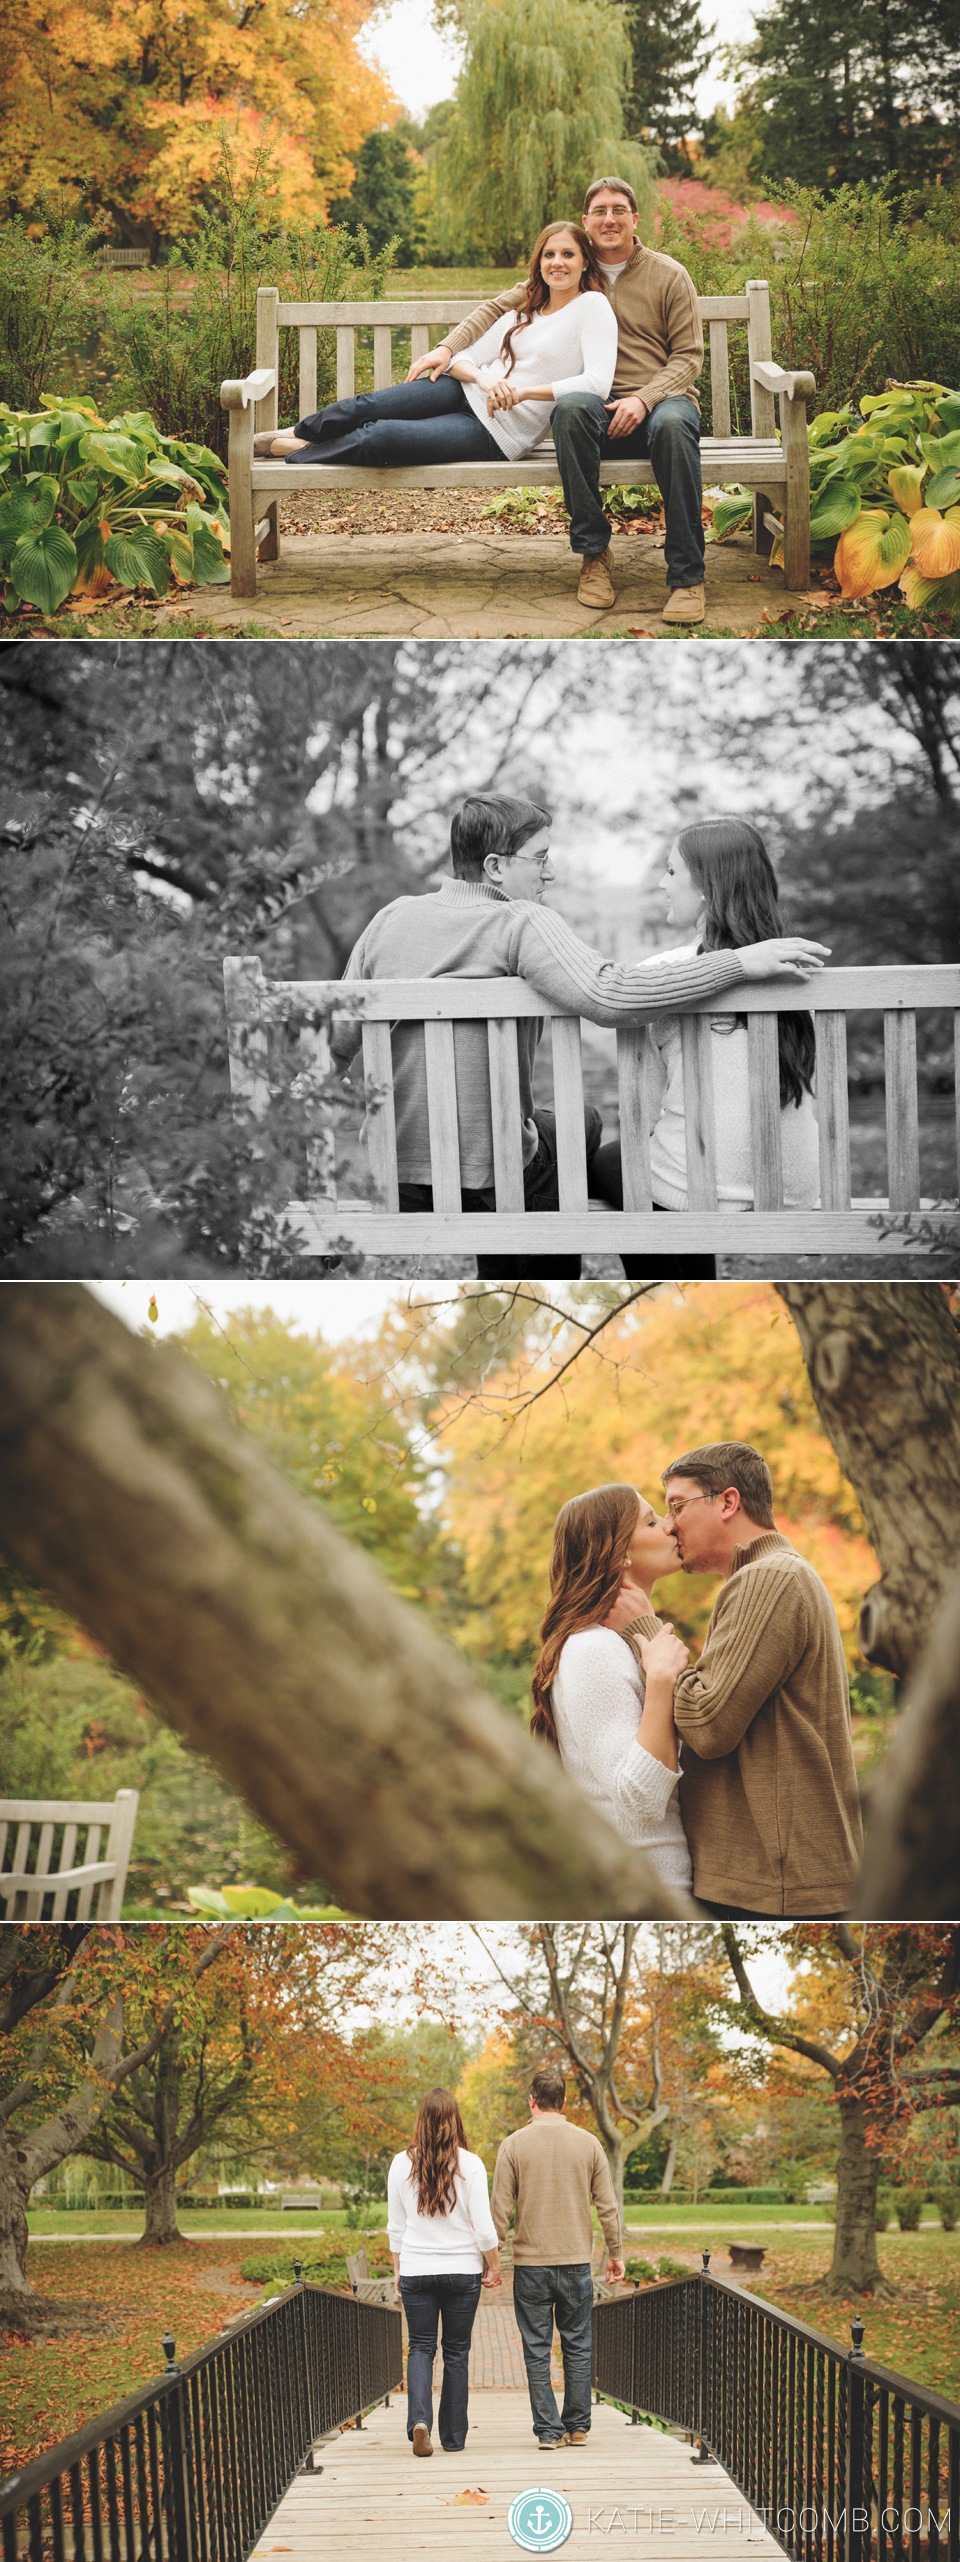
734	1774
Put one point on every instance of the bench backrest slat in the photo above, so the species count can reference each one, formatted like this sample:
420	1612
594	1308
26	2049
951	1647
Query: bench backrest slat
719	377
833	1110
696	1042
442	1115
504	1059
763	1067
636	1116
568	1106
763	410
381	1117
894	990
903	1130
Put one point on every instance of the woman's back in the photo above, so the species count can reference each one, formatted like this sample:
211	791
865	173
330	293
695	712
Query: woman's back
452	2240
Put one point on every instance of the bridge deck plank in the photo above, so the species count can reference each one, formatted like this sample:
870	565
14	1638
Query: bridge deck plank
370	2481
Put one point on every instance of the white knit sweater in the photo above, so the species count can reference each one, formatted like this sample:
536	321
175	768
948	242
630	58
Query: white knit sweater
799	1138
597	1695
440	2244
574	349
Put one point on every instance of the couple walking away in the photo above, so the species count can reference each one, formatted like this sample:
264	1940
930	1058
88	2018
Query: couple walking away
490	921
735	1775
602	343
445	2234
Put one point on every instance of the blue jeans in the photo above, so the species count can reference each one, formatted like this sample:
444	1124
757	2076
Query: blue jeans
669	439
537	2294
450	2302
409	423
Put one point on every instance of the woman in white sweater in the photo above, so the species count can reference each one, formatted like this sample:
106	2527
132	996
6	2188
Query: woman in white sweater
444	2247
721	887
614	1732
493	403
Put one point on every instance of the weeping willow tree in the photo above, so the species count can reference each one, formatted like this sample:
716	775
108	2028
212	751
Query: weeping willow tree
539	112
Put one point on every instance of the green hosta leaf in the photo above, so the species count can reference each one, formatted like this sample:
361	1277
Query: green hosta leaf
943	489
136	422
256	1903
948	413
89	542
84	489
11	600
179	549
822	430
120	456
210	566
138	560
734	510
940	452
44	567
838	507
33	500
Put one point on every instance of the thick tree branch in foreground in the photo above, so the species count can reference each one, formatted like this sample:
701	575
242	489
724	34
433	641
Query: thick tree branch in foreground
273	1646
912	1858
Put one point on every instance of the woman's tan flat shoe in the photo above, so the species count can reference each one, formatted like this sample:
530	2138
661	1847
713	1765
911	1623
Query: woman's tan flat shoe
421	2440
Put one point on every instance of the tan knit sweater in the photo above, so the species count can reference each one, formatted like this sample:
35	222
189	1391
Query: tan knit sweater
768	1787
660	332
552	2172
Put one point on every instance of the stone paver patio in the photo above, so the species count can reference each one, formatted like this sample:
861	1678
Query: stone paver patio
431	586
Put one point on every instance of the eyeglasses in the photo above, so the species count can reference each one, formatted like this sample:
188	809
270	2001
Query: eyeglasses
680	1505
522	856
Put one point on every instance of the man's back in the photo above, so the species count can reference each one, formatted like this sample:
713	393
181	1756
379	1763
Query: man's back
554	2173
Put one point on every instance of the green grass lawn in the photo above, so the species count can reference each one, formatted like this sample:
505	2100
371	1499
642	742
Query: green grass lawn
45	2220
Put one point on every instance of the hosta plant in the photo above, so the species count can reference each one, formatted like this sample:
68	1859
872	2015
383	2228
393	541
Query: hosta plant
87	503
885	490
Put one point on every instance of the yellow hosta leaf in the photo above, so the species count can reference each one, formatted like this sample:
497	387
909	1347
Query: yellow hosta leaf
935	543
905	484
940	594
872	552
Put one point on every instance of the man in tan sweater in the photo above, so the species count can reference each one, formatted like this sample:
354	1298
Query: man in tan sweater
549	2175
652	414
768	1789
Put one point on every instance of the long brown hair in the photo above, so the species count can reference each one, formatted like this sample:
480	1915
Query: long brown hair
538	293
728	860
591	1537
437	2138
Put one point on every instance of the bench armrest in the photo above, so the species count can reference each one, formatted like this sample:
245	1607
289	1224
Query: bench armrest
253	387
792	386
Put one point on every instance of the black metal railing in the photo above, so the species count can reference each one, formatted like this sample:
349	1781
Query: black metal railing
192	2468
843	2460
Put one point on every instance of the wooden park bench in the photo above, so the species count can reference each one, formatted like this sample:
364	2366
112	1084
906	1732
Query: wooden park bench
367	2289
42	1891
259	1010
778	471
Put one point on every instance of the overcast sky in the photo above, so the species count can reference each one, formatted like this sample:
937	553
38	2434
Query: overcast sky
422	66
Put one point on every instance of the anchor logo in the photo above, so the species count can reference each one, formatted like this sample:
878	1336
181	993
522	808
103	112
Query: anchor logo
540	2520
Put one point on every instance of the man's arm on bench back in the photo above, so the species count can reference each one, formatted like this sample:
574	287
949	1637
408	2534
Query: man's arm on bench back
545	951
467	331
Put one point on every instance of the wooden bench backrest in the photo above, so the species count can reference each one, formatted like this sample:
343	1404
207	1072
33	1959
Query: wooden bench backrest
254	1003
751	309
357	2269
100	1872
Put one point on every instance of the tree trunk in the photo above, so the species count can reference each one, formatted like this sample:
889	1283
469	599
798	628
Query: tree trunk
669	2167
912	1857
160	2225
14	2234
855	2263
884	1366
273	1646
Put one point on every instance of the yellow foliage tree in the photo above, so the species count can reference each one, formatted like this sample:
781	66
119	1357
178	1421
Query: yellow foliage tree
130	106
723	1364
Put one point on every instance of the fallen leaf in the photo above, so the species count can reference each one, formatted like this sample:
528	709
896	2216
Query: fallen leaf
469	2499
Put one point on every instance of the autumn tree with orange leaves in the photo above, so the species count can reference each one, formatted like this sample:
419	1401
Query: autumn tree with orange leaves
133	110
137	2047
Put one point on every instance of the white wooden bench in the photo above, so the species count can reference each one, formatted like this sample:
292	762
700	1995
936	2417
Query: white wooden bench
57	1876
841	1224
778	471
367	2289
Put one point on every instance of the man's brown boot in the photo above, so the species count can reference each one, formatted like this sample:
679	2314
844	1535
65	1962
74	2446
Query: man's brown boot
596	584
574	2437
685	605
421	2440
